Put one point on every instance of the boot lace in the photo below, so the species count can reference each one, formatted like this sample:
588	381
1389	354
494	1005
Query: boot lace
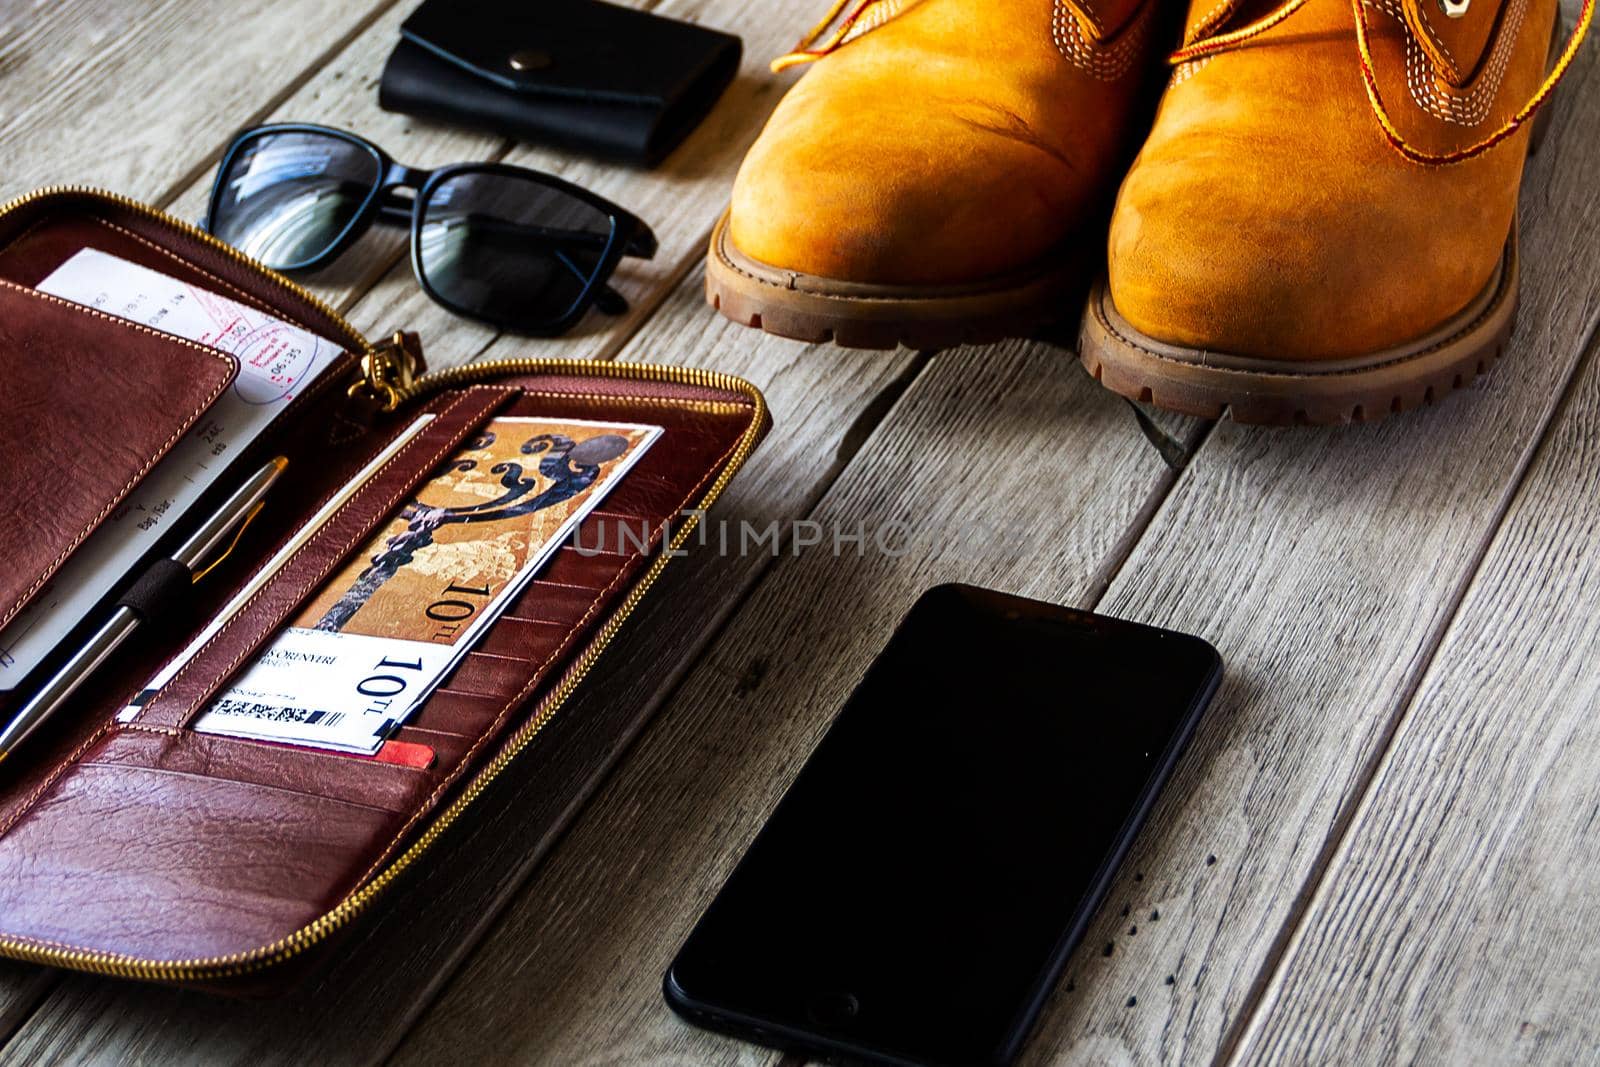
1222	42
848	22
818	43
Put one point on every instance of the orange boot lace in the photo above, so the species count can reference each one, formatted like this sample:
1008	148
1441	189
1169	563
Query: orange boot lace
813	47
1222	42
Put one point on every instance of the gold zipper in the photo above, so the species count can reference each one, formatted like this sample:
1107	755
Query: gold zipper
235	964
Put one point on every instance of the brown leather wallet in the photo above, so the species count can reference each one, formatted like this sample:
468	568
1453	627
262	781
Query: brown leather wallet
146	850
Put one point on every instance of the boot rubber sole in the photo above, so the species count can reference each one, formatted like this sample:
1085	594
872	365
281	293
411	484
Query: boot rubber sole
806	307
1289	392
1279	392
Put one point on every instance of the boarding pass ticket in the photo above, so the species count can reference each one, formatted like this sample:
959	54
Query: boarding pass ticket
277	361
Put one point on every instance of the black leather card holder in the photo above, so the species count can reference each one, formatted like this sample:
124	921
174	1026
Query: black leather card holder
581	74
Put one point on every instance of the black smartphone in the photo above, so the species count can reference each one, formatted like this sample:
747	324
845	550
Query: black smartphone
915	894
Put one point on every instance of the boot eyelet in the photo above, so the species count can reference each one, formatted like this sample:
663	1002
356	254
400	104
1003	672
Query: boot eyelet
1454	8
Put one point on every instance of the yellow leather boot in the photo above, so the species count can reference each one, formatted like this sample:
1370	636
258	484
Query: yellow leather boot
1321	226
941	174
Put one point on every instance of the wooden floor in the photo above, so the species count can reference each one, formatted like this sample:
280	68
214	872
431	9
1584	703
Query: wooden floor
1384	843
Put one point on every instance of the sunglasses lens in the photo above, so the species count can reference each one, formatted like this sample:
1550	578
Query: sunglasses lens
510	249
285	198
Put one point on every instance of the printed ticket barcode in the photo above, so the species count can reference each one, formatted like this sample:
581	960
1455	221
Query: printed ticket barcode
272	713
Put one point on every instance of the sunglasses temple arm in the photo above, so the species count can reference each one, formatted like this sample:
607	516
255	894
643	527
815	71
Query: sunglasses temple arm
610	301
641	243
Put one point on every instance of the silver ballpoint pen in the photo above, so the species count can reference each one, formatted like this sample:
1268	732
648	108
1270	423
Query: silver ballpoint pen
230	519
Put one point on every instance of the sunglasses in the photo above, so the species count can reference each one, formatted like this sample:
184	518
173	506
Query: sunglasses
512	247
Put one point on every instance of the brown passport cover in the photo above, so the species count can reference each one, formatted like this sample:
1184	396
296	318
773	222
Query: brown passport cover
146	850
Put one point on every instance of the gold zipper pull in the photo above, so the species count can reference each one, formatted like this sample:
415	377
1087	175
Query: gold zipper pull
388	370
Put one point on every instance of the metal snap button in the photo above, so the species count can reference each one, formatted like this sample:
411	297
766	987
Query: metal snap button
530	60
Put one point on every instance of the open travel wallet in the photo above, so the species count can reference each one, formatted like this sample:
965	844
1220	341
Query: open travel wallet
136	837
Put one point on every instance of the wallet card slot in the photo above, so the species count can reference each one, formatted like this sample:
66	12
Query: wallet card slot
98	401
647	491
569	567
489	674
448	748
527	645
549	603
350	779
610	533
367	509
525	639
609	513
198	866
462	714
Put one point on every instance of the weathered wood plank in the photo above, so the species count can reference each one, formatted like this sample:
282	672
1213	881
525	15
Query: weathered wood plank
374	283
678	199
1339	556
1460	921
137	97
1013	470
1325	565
358	1011
343	93
21	989
1226	936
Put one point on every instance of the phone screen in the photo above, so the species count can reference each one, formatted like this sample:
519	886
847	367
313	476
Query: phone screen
915	893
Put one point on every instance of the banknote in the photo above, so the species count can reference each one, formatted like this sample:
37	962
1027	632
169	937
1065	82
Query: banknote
384	629
277	361
274	565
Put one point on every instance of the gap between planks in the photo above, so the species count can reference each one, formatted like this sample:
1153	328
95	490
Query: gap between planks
953	403
278	99
1232	1042
659	287
24	1000
1395	945
1511	394
97	1013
